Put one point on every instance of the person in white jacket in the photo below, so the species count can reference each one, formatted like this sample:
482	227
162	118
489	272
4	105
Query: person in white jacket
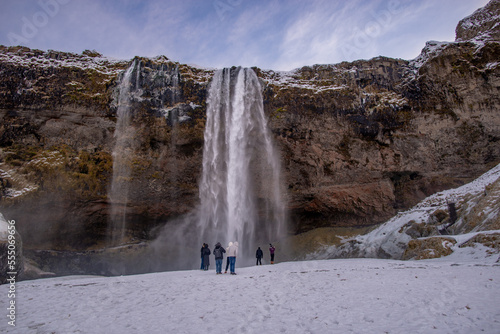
227	258
232	252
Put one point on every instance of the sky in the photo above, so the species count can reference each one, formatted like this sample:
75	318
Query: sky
270	34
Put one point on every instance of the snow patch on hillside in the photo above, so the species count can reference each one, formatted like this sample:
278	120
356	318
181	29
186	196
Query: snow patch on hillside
431	50
47	59
291	79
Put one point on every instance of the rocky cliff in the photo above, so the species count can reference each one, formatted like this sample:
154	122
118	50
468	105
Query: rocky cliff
365	139
359	141
57	136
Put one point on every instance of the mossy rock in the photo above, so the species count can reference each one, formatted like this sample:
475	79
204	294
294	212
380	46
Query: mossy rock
439	216
420	230
490	240
429	248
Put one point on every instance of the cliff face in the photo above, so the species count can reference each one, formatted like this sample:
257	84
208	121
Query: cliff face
481	25
359	141
58	118
362	140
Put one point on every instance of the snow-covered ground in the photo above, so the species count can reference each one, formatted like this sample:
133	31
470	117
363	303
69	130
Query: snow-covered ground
451	295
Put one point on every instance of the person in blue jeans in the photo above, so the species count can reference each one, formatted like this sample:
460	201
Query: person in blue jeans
232	251
227	259
219	256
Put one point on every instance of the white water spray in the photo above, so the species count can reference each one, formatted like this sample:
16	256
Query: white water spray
240	195
240	186
125	145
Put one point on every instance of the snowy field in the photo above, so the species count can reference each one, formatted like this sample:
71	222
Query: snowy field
458	294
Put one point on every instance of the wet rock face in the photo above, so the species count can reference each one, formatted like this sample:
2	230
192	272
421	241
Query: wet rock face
358	141
56	154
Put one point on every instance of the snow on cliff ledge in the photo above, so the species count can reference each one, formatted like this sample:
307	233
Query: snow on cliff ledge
482	25
31	58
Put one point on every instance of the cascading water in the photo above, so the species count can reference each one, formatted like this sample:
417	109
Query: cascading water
240	195
173	119
125	144
240	187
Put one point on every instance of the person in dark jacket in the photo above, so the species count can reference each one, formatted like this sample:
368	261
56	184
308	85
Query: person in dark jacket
219	256
259	254
206	257
202	263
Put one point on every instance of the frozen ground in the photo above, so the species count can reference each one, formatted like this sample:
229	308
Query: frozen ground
458	294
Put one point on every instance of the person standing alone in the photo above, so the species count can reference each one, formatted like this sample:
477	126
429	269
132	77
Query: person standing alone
271	251
259	254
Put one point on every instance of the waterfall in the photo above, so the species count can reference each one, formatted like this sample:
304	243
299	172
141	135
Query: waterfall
170	157
239	190
125	145
240	187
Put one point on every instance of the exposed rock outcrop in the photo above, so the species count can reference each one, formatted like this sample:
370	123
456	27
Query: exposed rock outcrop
483	24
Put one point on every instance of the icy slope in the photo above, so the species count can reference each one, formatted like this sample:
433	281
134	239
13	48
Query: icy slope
390	239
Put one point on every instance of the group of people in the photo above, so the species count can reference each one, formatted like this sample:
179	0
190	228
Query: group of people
232	251
259	254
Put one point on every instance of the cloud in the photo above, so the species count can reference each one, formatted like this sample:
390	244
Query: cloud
313	34
331	32
273	34
254	33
